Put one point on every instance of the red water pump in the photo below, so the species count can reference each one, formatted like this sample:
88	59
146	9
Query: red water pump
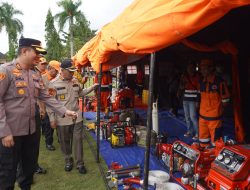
231	169
119	133
124	99
189	165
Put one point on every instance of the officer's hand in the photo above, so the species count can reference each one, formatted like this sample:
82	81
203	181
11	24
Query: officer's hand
95	86
71	114
8	141
53	124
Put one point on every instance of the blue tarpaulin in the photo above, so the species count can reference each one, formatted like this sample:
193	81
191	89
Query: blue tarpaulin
132	155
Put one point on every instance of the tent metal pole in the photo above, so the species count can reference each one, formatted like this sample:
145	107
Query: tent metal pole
98	118
149	120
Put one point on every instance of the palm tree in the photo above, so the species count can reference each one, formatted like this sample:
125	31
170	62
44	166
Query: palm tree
1	18
70	15
12	25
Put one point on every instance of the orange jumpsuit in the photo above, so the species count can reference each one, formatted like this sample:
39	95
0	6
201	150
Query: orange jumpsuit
106	87
214	93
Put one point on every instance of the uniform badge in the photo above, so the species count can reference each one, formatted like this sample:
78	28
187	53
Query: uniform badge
16	72
51	92
62	97
214	87
2	76
21	91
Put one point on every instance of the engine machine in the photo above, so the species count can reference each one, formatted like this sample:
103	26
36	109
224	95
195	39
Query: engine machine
189	165
231	169
119	133
124	99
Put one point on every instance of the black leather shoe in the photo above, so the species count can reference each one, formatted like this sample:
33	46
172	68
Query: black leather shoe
68	167
40	170
82	170
50	147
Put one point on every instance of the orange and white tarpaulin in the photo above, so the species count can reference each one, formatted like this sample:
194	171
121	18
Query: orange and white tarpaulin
147	26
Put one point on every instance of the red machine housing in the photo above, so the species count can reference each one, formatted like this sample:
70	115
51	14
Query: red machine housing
231	169
129	136
124	99
193	164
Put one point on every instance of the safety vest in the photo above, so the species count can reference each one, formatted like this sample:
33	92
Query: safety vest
191	92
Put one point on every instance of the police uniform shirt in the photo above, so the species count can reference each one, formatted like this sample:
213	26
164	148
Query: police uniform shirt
19	90
67	92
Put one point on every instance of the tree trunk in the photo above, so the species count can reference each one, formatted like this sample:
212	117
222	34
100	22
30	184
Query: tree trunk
71	37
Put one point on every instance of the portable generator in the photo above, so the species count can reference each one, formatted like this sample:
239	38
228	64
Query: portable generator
120	133
124	99
123	135
189	165
231	169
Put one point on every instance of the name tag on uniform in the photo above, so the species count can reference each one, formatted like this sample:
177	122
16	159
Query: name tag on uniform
21	84
19	78
62	97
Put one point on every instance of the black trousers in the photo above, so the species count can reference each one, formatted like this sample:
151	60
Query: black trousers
21	155
48	131
71	140
37	139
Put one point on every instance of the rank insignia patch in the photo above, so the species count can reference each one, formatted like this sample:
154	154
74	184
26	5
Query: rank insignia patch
2	76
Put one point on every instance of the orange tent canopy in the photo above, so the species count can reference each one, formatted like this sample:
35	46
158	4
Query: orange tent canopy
147	26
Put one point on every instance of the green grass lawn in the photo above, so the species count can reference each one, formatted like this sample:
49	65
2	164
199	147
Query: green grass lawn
57	179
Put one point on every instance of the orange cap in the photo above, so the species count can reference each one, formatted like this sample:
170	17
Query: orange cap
55	64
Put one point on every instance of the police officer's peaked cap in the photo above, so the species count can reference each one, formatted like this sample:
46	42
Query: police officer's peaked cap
68	65
35	44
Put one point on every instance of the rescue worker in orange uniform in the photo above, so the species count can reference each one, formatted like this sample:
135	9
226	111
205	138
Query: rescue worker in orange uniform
106	89
214	95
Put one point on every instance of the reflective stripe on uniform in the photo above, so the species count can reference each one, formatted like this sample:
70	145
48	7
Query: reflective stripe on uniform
191	91
104	86
207	140
211	118
225	100
190	95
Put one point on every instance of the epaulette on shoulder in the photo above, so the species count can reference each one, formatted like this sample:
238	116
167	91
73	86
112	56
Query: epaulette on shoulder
9	64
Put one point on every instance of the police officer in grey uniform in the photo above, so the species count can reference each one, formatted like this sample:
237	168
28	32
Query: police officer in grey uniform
67	90
20	87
